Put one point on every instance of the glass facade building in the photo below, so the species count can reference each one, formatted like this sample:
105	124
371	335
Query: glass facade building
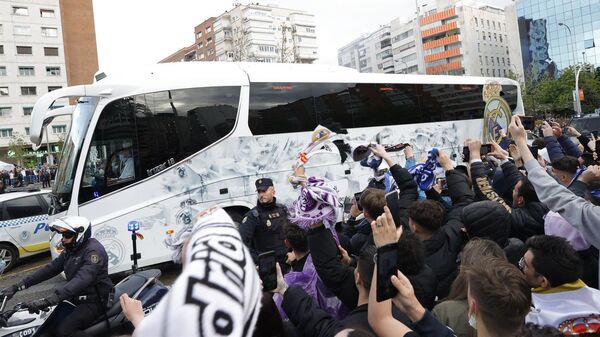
557	33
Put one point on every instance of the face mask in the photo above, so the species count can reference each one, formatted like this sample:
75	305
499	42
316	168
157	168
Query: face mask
473	321
121	157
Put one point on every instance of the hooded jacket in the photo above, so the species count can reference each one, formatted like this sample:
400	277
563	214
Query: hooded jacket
489	220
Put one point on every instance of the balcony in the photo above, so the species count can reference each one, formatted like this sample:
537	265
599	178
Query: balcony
439	16
439	29
443	55
441	42
443	68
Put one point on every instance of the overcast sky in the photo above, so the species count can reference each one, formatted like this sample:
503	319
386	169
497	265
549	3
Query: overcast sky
141	32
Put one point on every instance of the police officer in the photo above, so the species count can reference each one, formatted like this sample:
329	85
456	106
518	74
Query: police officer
85	264
262	226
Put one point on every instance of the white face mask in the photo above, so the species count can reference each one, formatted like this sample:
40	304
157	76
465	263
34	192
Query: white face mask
473	321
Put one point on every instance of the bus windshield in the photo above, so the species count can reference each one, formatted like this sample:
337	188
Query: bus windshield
65	174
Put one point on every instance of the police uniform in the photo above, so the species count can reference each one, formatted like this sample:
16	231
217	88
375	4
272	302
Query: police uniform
262	227
88	285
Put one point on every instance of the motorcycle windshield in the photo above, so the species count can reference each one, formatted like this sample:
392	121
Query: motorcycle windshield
67	167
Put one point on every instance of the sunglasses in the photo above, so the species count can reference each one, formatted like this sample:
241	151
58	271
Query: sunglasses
68	235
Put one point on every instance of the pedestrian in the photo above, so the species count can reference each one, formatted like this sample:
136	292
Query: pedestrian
262	228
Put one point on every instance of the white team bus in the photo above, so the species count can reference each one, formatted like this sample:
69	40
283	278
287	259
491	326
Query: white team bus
156	146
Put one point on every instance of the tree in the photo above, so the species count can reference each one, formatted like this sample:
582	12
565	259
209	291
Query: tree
240	45
17	148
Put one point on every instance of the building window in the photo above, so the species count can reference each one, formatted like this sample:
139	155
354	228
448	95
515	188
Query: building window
24	50
1	29
27	110
1	49
310	30
500	36
3	91
208	29
492	60
503	63
52	88
476	24
488	23
508	61
5	133
483	35
53	71
5	111
59	129
50	51
480	60
478	47
47	13
24	11
2	71
21	30
27	131
494	72
199	35
494	24
26	71
482	72
49	32
201	44
504	72
486	60
28	91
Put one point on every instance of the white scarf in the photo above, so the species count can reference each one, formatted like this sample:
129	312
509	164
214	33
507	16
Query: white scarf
218	292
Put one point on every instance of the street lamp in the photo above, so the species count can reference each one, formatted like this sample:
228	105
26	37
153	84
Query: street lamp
405	70
570	38
577	70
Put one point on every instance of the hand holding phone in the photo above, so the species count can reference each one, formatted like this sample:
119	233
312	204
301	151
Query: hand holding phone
387	266
267	270
483	150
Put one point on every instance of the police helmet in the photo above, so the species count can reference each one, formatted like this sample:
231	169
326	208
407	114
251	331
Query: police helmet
74	226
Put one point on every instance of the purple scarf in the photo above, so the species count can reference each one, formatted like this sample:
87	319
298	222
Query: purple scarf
317	203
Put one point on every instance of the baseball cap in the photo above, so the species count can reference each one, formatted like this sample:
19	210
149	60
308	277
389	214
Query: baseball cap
263	184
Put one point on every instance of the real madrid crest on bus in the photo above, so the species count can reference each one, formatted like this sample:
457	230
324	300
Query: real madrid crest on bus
497	113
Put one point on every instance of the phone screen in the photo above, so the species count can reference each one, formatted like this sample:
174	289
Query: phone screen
534	151
357	198
528	122
267	271
466	154
485	149
387	266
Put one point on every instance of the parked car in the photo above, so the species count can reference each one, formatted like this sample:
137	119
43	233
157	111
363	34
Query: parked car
24	225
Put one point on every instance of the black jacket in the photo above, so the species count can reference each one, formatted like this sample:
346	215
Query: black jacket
441	251
315	322
86	270
262	230
336	276
425	285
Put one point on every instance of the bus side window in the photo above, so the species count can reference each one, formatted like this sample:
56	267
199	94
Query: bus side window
138	136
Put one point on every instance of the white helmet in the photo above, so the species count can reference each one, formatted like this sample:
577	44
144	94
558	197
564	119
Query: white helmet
77	226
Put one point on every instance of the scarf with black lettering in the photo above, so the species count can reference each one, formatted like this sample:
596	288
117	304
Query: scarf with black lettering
218	292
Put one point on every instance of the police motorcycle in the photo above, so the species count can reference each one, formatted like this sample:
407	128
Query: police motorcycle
141	285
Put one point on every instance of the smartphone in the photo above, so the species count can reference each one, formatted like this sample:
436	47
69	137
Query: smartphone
528	122
485	149
387	266
357	198
444	184
267	270
534	151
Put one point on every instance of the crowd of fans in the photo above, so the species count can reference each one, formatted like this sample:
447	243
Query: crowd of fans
20	176
504	245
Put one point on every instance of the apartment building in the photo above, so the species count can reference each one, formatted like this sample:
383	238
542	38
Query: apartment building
44	45
371	53
254	33
465	39
456	38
